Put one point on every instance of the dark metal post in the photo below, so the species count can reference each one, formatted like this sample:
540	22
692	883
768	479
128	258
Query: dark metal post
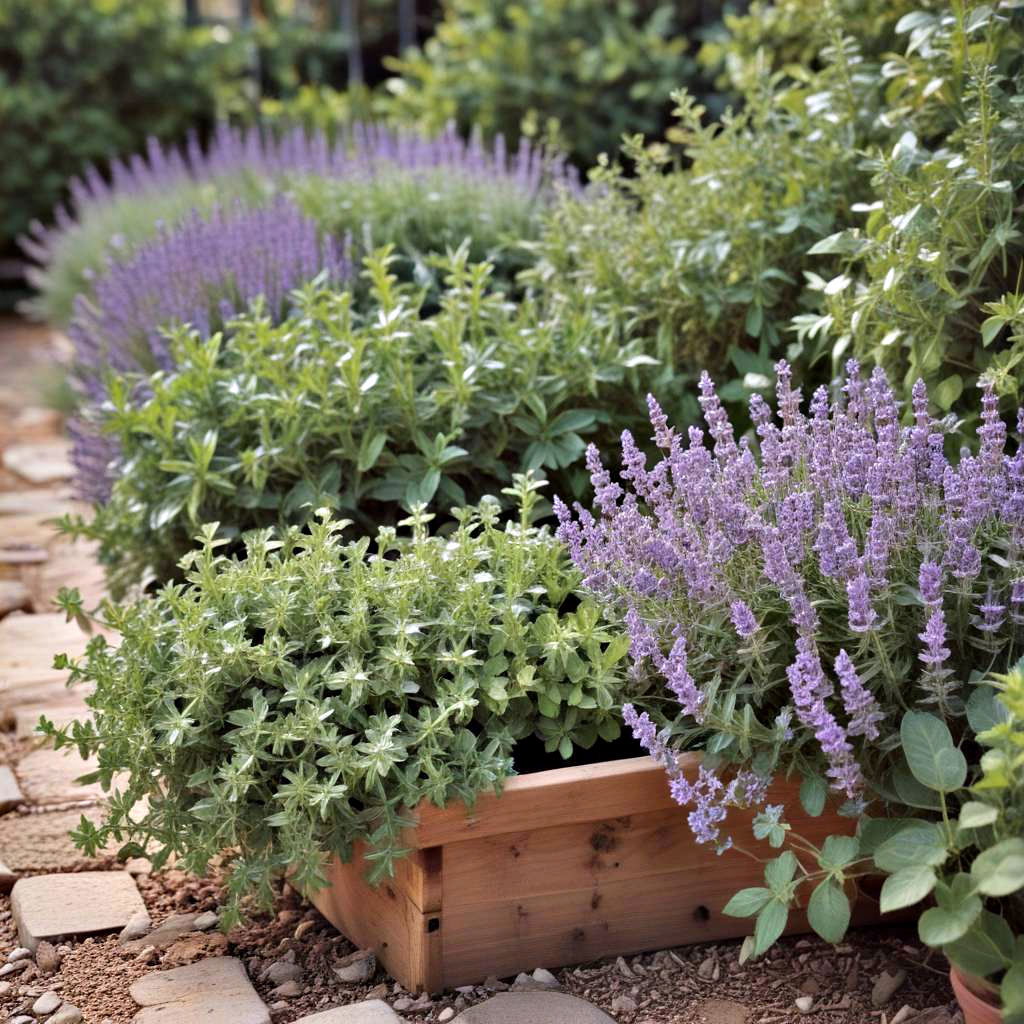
406	24
192	15
350	26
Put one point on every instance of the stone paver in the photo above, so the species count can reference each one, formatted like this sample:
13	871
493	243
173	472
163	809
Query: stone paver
40	842
14	595
375	1011
533	1008
56	906
215	991
28	644
40	462
48	776
10	791
7	878
46	503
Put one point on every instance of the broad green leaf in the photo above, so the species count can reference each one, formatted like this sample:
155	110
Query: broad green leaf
771	923
813	793
912	793
747	902
986	947
828	911
975	814
984	709
839	851
916	843
906	887
779	873
999	870
929	750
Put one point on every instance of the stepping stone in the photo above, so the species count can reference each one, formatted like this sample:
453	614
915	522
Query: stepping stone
28	644
10	791
71	563
40	462
46	504
48	777
533	1008
214	991
14	596
375	1011
28	530
58	709
40	842
54	907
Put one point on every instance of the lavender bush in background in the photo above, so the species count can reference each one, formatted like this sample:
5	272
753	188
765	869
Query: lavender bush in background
797	597
200	273
110	215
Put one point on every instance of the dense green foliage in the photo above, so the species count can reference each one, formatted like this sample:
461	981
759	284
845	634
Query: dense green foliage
937	245
364	414
291	703
83	80
584	72
750	242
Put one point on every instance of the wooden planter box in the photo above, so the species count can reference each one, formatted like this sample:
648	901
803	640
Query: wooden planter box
565	866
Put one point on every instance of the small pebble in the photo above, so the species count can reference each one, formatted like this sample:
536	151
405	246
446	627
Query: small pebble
204	922
805	1004
446	1014
403	1004
67	1014
21	953
623	1004
46	1004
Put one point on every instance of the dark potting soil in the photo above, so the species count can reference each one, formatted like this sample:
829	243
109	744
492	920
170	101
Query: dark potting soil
530	756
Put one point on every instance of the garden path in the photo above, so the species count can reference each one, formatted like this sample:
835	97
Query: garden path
89	939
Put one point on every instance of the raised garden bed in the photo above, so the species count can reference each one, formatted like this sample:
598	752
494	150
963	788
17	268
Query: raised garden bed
565	866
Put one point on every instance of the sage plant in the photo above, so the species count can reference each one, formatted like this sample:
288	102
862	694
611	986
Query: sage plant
797	594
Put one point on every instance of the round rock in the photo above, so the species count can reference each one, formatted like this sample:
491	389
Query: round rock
533	1008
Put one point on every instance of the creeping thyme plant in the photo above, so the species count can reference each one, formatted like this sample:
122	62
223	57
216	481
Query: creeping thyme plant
289	703
799	597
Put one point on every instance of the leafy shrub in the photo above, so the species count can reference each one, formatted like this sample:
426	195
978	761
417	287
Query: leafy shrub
797	601
972	859
81	80
294	702
940	246
365	414
705	262
583	71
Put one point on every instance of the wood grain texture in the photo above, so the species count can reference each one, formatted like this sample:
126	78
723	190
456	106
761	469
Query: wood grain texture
565	866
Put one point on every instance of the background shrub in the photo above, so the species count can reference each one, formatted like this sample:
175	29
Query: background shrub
929	282
81	80
367	414
373	183
582	71
288	704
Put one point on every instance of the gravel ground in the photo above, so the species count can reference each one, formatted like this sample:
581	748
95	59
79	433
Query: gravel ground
699	984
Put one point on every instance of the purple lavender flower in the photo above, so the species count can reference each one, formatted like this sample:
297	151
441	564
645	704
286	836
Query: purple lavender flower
743	619
862	708
710	531
929	581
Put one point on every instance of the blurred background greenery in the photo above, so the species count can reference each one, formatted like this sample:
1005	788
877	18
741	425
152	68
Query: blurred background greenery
83	81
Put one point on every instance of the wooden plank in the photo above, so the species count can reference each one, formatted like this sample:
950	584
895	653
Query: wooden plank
587	855
632	916
594	792
404	938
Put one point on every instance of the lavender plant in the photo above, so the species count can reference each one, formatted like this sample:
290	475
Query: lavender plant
798	596
280	707
345	183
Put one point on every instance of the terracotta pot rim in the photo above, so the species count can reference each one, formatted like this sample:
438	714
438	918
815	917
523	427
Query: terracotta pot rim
977	997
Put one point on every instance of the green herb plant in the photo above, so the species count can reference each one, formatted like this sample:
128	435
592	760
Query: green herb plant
286	705
365	414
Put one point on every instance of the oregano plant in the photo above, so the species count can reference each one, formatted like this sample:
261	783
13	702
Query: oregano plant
282	705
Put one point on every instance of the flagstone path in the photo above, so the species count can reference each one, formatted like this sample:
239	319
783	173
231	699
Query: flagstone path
93	940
